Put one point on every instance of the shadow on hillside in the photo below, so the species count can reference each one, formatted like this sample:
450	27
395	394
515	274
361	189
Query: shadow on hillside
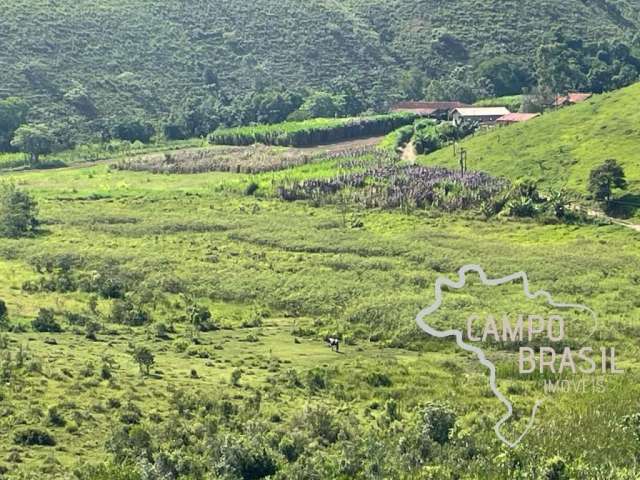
624	207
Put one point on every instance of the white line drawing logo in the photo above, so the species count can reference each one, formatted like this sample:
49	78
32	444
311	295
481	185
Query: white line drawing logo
460	283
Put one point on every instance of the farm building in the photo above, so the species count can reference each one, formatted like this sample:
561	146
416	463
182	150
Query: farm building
440	110
483	115
510	118
571	98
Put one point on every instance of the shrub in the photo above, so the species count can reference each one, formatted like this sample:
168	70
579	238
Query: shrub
235	377
45	322
131	414
320	423
161	331
378	379
129	443
18	212
317	379
91	329
34	436
247	460
291	447
55	418
251	188
555	469
200	318
438	421
4	315
126	313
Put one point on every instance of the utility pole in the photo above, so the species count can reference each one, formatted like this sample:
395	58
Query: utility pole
461	154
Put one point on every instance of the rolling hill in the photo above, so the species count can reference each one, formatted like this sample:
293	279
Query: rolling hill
561	147
145	57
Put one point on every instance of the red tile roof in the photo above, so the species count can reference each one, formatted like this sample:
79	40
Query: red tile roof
425	112
571	97
575	97
517	117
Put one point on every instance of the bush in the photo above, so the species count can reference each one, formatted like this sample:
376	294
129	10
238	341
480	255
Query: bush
438	421
235	377
247	460
34	436
555	469
378	379
317	379
17	212
55	418
126	313
4	314
320	423
251	188
45	322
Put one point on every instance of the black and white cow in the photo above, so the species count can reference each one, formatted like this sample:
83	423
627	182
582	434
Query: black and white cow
334	343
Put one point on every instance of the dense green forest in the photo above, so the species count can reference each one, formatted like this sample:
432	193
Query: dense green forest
186	67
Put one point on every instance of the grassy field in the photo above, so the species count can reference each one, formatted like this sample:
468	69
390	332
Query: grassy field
560	148
278	277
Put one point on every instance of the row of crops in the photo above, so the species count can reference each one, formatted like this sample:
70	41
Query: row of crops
388	184
317	131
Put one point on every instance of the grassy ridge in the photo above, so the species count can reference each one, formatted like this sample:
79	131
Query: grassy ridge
306	133
561	147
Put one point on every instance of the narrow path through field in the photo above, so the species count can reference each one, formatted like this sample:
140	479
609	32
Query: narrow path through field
617	221
409	153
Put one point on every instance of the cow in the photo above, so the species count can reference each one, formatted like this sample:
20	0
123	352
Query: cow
334	344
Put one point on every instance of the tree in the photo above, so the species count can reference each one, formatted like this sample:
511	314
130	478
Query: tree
604	178
321	104
13	113
462	84
17	212
133	130
35	139
144	358
507	75
411	84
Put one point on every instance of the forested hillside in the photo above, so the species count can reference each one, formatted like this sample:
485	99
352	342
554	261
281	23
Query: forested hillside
89	64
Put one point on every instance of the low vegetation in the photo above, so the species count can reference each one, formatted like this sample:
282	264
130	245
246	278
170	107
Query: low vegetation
252	159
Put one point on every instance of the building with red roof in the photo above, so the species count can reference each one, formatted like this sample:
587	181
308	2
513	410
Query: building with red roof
571	98
510	118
